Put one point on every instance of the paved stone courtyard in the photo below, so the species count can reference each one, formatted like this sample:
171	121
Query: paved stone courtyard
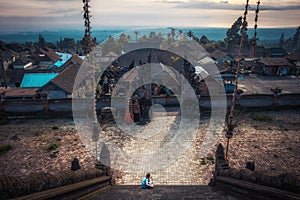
179	165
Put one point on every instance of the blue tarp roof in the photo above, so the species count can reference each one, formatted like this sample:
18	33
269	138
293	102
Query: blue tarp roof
64	58
37	79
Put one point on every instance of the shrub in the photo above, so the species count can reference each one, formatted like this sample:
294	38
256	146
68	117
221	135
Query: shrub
210	158
261	118
275	155
4	149
52	147
203	162
3	120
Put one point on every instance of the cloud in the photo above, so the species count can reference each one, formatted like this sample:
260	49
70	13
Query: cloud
168	1
65	11
269	7
225	5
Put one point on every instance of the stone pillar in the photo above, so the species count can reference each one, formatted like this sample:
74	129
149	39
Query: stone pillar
239	93
221	163
46	103
276	92
2	103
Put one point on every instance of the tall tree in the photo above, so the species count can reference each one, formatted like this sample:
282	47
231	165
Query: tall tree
234	33
204	40
110	45
42	41
296	40
87	41
281	40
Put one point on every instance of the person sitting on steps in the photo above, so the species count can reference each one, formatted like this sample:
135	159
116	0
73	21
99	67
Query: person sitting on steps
146	183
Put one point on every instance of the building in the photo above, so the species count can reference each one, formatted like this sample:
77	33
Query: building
222	58
36	80
274	66
61	86
21	93
22	63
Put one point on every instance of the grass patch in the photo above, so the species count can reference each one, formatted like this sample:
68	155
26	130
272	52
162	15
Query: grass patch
210	158
3	120
4	149
52	147
203	162
261	118
275	155
55	128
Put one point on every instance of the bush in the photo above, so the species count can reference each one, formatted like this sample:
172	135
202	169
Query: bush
4	149
3	120
261	118
52	147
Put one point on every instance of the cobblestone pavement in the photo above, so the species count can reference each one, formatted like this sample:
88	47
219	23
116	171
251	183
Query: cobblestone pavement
165	192
186	169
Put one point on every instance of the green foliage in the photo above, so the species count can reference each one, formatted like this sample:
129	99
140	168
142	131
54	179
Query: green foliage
52	147
234	34
41	41
261	118
203	162
210	158
3	120
291	44
4	149
275	155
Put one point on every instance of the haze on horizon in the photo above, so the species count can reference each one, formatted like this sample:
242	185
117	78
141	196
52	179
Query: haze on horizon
37	15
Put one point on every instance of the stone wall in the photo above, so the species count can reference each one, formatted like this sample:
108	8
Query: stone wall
255	101
283	182
11	187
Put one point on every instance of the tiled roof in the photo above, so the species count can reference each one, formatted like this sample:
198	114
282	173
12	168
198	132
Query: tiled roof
217	54
274	61
20	92
275	51
294	56
65	80
37	79
12	76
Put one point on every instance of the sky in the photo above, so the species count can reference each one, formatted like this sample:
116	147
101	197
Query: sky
37	15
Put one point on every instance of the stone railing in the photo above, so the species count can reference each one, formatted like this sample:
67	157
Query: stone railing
253	184
42	183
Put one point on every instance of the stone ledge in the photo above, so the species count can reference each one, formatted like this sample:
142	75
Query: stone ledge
11	187
70	191
285	181
252	190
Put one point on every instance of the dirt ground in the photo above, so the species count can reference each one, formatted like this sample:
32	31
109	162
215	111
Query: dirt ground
271	139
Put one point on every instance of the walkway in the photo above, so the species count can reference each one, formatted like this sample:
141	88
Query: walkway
165	192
